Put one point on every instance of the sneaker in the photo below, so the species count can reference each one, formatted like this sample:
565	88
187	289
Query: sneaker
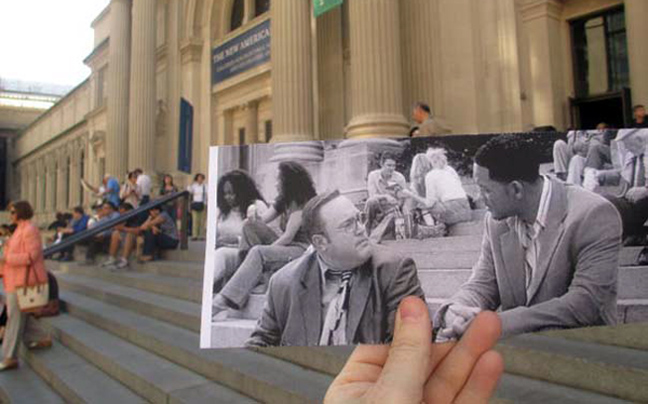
122	263
109	262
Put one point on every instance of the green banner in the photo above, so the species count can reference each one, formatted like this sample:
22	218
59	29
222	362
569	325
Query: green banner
322	6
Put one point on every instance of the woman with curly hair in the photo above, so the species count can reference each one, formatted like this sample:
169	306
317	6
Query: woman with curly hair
263	250
236	196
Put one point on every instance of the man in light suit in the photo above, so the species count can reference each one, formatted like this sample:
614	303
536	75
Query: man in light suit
344	290
550	251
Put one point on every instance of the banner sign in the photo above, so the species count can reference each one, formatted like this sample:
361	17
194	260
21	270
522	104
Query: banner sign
185	145
322	6
242	53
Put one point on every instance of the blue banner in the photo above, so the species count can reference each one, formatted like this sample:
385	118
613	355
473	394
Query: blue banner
242	53
185	145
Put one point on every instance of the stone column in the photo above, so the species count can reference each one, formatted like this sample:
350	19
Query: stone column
118	87
292	73
637	31
542	20
141	139
33	186
421	54
376	70
252	123
50	188
75	177
61	182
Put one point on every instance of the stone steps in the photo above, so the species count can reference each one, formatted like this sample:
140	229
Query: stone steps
76	379
26	386
156	379
603	369
258	376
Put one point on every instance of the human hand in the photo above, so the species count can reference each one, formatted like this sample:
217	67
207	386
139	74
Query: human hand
413	370
457	318
636	193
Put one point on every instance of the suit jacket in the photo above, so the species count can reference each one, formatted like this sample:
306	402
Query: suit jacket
575	280
292	313
432	126
23	249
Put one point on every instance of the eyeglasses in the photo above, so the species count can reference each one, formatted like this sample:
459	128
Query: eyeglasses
12	212
351	226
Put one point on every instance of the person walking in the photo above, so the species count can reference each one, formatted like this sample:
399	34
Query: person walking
24	251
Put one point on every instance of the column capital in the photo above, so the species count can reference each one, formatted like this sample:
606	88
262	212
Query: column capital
534	9
191	50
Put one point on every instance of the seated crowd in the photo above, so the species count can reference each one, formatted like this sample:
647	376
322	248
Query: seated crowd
147	233
611	163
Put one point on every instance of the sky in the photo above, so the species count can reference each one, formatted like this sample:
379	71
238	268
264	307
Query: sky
47	40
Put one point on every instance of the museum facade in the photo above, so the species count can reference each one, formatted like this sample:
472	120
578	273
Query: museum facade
172	77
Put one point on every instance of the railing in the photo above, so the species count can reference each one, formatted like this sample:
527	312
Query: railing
108	224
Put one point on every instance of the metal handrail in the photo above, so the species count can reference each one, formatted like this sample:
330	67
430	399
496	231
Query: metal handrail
103	226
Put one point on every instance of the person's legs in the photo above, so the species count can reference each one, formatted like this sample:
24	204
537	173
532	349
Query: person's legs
633	215
14	330
561	156
260	259
127	243
455	211
255	233
201	223
94	246
226	260
164	242
598	155
195	226
575	170
149	244
115	241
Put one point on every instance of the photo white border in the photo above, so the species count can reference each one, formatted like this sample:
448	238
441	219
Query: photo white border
210	250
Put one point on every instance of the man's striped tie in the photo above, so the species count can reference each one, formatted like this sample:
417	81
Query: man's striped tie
334	329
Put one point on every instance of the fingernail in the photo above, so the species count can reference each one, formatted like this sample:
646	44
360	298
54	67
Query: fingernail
410	310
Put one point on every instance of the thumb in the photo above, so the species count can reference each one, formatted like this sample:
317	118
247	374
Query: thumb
407	367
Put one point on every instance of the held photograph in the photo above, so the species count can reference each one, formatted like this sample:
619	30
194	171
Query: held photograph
316	243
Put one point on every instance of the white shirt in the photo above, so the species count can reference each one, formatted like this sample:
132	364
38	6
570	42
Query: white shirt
443	185
144	184
531	250
198	191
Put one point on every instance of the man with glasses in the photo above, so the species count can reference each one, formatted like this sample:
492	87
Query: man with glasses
344	290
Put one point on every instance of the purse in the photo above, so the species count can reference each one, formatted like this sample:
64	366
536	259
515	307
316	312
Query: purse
32	298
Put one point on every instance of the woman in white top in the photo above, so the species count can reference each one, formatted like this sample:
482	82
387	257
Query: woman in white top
130	192
198	207
444	194
237	198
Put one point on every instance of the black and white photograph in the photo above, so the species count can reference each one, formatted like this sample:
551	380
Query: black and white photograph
316	243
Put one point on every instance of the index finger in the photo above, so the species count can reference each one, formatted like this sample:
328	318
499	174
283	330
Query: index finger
451	375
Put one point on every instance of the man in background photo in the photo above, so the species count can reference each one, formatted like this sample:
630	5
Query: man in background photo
550	251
